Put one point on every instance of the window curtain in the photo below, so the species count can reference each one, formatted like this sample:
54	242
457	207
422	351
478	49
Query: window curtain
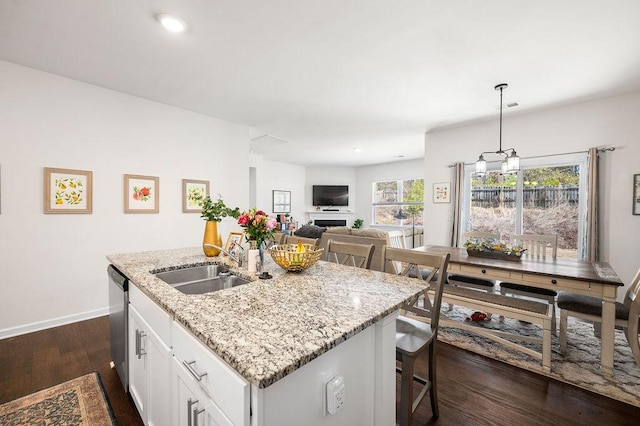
458	190
591	247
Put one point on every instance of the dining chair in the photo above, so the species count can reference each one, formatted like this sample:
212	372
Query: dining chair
358	255
417	329
396	239
590	308
535	245
473	282
293	239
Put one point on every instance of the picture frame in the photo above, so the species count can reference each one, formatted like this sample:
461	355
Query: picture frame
636	194
442	192
281	201
141	194
68	191
233	238
193	194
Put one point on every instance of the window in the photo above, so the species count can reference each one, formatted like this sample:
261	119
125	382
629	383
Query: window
544	198
398	202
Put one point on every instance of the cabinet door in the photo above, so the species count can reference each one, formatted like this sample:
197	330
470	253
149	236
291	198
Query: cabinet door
150	371
192	406
159	381
138	383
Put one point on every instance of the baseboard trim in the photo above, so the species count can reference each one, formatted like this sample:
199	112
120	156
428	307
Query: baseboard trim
55	322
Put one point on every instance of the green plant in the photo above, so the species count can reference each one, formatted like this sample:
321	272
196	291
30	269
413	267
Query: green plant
216	210
357	224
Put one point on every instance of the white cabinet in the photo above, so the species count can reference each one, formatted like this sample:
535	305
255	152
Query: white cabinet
192	407
199	374
149	360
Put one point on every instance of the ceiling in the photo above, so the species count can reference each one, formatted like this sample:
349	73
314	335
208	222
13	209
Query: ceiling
317	78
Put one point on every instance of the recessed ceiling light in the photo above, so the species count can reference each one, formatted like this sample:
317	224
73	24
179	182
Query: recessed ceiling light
357	149
172	23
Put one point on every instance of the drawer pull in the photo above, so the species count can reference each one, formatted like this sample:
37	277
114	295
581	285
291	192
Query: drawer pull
484	271
189	366
196	413
190	404
139	350
554	281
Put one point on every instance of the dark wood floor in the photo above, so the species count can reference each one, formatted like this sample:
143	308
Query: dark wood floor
473	390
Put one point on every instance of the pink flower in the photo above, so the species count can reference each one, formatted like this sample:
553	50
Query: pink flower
243	220
271	223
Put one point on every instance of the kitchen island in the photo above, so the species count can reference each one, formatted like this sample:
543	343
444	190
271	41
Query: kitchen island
287	336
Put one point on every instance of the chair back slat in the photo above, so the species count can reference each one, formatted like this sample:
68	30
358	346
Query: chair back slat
415	260
479	236
631	296
537	245
358	255
293	239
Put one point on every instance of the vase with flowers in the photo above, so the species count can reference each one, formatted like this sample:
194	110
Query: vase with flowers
258	228
213	212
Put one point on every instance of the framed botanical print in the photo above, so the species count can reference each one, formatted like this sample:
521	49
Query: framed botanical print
442	192
67	190
281	201
636	194
193	194
141	194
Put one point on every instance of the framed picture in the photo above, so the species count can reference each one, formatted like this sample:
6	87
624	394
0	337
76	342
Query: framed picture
636	194
235	238
442	192
193	193
67	191
281	201
141	194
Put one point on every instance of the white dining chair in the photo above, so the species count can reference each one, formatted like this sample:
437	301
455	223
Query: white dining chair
540	246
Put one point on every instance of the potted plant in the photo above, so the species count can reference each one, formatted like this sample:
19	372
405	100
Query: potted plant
213	212
357	224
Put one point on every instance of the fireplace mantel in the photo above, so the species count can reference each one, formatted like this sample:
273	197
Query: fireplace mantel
346	217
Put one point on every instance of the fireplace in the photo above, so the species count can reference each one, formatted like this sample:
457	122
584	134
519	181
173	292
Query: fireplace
330	222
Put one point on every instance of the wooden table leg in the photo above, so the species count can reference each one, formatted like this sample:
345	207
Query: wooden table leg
608	333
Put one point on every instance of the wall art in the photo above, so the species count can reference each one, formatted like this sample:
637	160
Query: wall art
141	194
442	192
193	194
67	190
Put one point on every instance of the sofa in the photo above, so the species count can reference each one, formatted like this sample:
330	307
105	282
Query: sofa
345	234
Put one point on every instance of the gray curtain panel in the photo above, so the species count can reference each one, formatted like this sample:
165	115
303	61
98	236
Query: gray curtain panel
591	246
458	188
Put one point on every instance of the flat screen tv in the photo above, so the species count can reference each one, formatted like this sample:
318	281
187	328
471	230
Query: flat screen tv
331	195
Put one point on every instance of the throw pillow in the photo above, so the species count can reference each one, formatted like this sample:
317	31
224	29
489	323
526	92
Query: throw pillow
310	231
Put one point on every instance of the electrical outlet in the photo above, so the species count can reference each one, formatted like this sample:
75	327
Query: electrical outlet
335	394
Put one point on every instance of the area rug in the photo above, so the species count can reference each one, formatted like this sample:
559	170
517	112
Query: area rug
580	366
81	401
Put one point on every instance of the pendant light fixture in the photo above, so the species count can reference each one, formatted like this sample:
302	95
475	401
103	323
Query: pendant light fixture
511	162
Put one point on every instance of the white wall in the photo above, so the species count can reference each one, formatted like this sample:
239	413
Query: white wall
409	169
284	177
330	176
53	267
606	122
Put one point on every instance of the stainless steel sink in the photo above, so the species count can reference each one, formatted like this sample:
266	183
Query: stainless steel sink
210	285
201	279
186	275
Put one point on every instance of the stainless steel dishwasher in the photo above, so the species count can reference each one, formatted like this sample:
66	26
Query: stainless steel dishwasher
118	323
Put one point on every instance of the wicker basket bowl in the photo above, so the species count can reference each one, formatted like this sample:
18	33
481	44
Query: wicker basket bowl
289	259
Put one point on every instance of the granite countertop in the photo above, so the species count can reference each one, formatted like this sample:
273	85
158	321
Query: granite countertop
269	328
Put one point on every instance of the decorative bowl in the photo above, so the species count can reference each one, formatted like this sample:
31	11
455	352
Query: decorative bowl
289	259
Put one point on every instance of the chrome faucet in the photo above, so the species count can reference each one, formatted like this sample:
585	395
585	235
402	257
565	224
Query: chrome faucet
234	258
